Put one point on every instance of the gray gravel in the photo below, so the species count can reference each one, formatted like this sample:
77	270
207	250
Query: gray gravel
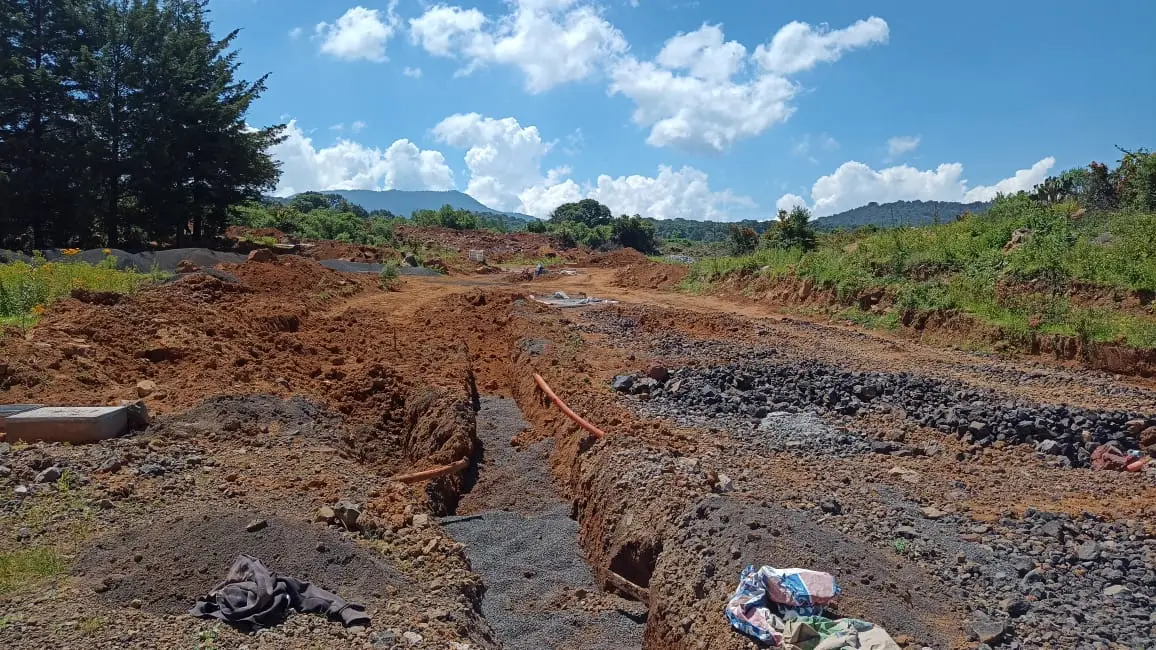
527	554
1041	580
373	268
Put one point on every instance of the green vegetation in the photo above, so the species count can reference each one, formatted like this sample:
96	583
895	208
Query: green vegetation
122	121
591	224
25	568
320	216
1022	266
26	290
389	275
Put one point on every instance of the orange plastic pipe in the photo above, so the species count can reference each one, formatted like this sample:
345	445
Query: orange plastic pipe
578	419
436	472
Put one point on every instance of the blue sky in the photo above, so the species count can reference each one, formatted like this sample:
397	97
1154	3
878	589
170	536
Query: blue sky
703	110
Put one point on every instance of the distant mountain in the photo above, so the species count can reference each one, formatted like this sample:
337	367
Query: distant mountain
403	203
899	213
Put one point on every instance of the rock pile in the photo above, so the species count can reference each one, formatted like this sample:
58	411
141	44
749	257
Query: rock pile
755	388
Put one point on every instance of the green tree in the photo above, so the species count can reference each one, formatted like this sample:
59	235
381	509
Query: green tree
538	226
635	232
793	230
742	241
587	212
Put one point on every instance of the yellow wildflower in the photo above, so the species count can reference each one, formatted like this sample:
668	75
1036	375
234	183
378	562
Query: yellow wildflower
38	309
108	251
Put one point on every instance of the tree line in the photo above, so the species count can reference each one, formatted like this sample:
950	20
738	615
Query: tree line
122	122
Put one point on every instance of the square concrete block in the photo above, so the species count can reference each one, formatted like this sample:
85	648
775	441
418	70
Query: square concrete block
67	424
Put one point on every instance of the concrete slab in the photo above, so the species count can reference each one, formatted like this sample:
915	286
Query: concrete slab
67	424
8	410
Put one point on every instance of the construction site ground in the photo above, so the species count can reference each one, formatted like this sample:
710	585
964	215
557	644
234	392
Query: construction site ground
297	387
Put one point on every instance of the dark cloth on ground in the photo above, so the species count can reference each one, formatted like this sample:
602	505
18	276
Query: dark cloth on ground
252	594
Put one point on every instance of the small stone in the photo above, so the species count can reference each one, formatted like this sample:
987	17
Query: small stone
138	414
622	383
256	525
1115	590
657	372
1014	607
137	603
145	387
325	514
20	490
988	631
724	484
261	255
5	471
50	475
420	521
906	531
931	512
412	638
23	534
1088	551
831	507
105	504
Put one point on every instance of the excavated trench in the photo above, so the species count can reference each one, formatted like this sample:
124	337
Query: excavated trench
521	540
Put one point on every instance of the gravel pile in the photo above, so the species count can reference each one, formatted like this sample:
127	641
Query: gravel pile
751	389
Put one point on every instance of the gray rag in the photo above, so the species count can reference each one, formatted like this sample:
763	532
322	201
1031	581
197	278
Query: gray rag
252	594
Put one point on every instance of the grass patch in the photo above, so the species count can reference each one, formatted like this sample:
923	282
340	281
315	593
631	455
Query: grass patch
26	290
28	567
970	266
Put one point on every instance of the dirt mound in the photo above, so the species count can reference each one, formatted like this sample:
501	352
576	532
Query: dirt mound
498	247
237	232
650	275
178	558
251	417
620	257
723	535
326	249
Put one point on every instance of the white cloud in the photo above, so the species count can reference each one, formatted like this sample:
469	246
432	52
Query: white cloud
357	126
551	41
504	158
505	163
854	184
359	34
296	33
703	93
798	46
339	127
901	144
348	165
412	72
788	201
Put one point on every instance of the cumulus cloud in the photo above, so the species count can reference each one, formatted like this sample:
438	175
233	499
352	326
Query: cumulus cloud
412	72
357	126
854	184
348	165
503	157
552	42
901	144
360	33
704	93
505	163
296	33
798	46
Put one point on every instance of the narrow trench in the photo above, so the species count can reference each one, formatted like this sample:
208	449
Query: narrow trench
520	538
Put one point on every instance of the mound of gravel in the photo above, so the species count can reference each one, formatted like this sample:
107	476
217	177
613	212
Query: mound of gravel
373	268
751	389
178	558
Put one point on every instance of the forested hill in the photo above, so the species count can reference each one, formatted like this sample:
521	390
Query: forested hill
404	203
899	213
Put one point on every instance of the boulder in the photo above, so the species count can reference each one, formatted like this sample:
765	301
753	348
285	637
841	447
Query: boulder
261	255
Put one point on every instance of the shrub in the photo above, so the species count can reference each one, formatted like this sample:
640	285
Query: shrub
389	274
